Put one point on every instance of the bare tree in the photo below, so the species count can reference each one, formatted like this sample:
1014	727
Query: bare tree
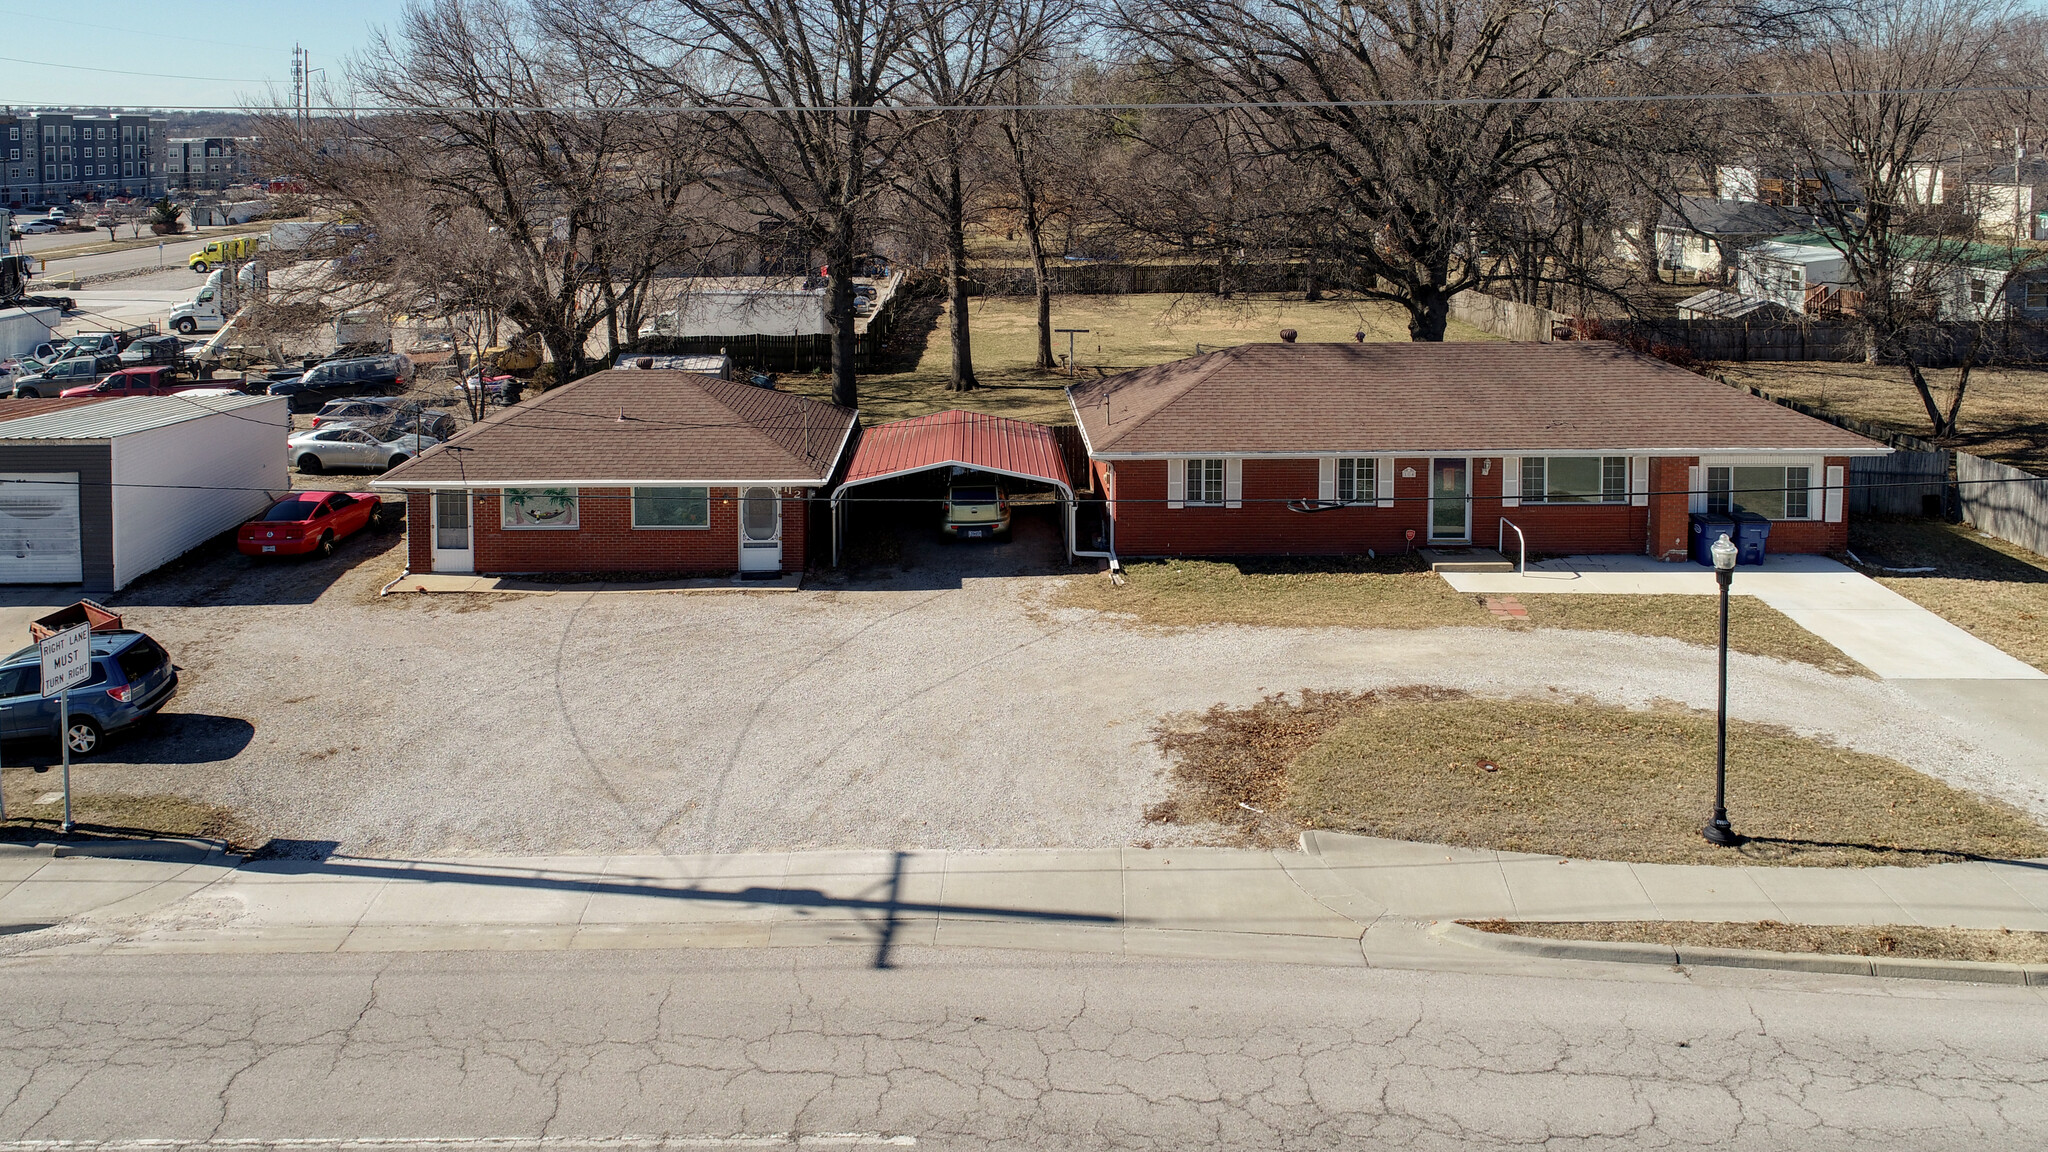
787	91
1895	76
507	177
961	57
1423	115
1036	153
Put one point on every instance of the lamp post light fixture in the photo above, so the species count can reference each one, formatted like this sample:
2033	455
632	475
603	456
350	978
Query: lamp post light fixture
1718	830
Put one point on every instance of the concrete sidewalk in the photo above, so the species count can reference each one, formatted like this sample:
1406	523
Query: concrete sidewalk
1873	625
1343	900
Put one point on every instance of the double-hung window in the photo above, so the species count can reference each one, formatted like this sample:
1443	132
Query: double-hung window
1775	492
1574	479
671	507
1357	479
1205	482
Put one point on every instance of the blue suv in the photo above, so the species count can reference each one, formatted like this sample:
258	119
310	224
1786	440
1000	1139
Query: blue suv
131	678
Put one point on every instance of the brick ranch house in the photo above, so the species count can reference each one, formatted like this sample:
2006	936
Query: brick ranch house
1316	449
626	471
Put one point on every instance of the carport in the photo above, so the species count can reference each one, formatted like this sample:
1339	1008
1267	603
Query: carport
997	445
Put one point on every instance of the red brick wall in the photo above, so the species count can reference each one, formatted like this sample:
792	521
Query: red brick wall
1669	529
605	540
1145	526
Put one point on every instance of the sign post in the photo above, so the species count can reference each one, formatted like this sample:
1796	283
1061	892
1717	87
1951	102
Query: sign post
67	661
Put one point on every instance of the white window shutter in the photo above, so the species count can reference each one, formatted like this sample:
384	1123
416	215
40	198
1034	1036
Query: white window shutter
1326	478
1511	481
1696	489
1639	481
1383	481
1233	483
1831	500
1176	483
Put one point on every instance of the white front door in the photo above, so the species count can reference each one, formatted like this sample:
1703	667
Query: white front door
452	533
760	530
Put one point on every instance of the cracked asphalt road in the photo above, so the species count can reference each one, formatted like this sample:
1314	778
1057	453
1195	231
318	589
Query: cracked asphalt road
1002	1050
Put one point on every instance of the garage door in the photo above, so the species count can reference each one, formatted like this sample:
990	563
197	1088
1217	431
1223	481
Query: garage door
39	528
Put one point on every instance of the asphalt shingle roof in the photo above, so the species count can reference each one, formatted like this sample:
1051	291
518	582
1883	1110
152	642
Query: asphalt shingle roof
631	425
1420	398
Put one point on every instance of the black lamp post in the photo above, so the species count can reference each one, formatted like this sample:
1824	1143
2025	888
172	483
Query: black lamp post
1718	830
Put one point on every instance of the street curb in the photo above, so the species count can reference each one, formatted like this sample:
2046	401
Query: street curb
1625	952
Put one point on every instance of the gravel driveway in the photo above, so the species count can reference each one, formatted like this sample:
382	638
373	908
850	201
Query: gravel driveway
936	711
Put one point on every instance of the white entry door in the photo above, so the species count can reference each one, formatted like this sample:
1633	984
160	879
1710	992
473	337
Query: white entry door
760	530
452	533
39	528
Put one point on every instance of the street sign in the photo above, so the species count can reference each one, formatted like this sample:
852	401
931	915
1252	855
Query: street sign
67	659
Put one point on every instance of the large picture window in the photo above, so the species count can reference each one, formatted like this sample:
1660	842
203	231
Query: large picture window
539	508
1205	482
671	507
1357	479
1775	492
1574	479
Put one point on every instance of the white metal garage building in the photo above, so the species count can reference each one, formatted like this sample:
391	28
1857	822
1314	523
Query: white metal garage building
102	493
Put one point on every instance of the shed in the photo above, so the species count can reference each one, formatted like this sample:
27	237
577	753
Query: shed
994	444
102	493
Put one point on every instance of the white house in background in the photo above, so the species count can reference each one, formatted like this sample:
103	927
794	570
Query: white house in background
2011	201
1701	237
746	306
1787	270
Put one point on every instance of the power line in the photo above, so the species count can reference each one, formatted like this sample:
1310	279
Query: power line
123	72
1103	106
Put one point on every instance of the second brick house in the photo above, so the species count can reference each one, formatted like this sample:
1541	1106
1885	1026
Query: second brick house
659	472
1320	449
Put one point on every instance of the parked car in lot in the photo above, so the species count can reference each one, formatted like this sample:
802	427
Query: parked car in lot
385	375
37	227
132	676
15	368
316	451
166	350
308	522
65	374
356	410
154	381
377	412
975	506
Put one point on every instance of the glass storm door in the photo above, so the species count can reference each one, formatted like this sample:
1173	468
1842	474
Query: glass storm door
760	531
452	551
1450	509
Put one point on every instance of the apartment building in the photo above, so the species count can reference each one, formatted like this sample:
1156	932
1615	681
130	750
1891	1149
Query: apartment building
54	158
208	163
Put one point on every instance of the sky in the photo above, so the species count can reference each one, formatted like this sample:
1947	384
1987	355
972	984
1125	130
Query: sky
175	54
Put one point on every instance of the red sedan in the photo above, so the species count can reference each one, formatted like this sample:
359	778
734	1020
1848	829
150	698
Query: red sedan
307	522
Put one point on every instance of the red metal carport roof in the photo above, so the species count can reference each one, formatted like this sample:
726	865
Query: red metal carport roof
970	439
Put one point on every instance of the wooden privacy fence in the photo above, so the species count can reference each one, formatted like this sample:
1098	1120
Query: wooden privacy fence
2004	502
1905	483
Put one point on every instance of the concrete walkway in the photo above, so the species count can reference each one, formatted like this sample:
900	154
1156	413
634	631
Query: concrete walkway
1344	900
1878	628
442	583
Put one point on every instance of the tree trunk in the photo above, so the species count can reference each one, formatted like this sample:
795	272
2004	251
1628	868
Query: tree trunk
1312	279
611	320
956	278
839	254
1429	314
1927	399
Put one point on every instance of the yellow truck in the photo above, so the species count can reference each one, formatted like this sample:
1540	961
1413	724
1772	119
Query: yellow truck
221	252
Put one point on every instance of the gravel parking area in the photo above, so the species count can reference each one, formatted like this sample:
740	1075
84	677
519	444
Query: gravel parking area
929	709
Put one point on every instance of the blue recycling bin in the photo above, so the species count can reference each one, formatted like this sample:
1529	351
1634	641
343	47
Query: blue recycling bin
1752	535
1708	527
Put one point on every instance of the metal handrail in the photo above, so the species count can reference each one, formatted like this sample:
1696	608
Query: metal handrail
1501	545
